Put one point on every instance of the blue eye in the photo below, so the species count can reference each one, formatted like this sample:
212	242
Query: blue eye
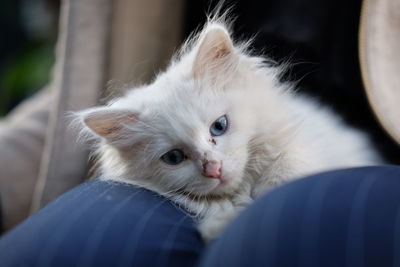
173	157
219	126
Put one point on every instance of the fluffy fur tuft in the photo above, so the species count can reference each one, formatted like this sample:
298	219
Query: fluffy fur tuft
273	135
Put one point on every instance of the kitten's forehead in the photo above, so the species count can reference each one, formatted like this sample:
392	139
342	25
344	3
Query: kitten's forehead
176	110
185	112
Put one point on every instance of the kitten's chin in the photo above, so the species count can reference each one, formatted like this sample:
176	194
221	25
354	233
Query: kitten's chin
225	186
216	190
208	189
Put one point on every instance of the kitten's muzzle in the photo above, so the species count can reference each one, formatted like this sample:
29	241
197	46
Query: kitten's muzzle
212	169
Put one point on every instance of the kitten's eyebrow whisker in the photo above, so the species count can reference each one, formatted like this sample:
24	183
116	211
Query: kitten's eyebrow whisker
146	125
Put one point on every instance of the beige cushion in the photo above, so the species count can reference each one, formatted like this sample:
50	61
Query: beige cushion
380	60
22	135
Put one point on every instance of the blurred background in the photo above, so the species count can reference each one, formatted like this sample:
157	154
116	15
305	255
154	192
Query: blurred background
319	40
29	30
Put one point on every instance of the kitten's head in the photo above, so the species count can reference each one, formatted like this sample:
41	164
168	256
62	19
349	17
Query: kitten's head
188	131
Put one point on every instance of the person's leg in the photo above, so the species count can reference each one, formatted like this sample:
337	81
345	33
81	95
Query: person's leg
104	224
341	218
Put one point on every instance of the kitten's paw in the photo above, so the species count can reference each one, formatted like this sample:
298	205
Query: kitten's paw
210	228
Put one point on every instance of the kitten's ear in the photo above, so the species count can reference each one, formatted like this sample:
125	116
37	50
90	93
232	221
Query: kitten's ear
112	124
216	53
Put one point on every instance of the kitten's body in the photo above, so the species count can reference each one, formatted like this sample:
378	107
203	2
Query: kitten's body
273	136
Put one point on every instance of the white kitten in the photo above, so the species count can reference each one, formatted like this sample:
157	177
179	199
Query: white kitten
217	129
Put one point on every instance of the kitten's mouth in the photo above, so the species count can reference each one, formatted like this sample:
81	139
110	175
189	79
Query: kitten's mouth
217	190
222	180
210	197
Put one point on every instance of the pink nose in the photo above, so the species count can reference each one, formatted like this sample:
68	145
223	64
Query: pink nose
212	169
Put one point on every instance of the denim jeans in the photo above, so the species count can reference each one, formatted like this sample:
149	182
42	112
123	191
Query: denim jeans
341	218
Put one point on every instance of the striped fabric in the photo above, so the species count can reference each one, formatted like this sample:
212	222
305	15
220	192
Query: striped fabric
104	224
343	218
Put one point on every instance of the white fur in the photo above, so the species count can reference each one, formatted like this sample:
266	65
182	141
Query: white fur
274	135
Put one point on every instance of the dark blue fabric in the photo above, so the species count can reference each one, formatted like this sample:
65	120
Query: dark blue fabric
341	218
104	224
